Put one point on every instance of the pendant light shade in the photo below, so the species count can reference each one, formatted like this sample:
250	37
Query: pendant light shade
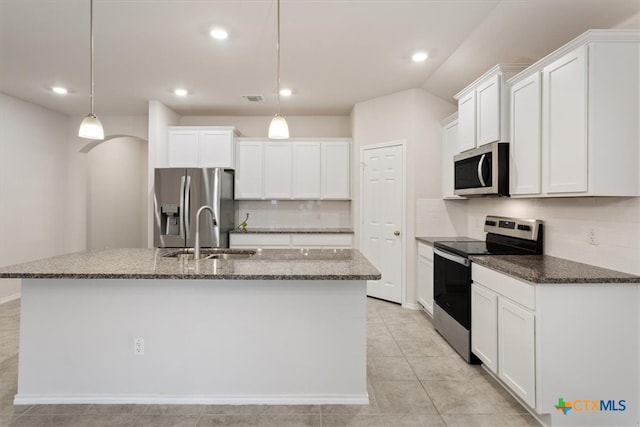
91	127
278	129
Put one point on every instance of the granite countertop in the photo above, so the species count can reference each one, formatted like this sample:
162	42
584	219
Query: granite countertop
252	230
266	264
430	239
548	269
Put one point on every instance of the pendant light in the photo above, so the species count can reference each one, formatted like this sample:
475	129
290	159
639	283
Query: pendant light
91	127
278	129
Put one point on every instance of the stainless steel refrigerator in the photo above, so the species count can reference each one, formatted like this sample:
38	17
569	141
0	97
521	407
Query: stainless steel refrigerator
179	193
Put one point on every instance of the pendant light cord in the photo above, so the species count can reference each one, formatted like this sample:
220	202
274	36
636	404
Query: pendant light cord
91	65
278	49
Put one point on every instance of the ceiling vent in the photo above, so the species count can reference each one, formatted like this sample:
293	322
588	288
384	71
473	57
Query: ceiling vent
253	98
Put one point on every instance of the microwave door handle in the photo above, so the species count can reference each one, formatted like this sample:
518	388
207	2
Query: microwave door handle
181	210
480	177
451	257
187	205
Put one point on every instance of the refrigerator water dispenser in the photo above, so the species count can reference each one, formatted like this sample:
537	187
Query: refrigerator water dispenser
170	219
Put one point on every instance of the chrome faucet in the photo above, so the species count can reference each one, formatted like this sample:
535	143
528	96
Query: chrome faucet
196	254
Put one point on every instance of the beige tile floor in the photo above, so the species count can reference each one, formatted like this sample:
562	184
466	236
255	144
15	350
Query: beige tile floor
415	379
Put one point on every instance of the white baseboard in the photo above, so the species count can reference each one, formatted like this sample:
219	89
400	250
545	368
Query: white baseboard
411	306
10	298
101	399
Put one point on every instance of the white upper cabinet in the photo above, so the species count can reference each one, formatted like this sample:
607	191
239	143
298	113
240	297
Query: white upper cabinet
306	179
277	170
576	132
336	170
201	146
524	147
483	108
250	164
449	149
295	169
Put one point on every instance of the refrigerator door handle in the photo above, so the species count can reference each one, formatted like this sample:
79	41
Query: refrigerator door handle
181	211
187	205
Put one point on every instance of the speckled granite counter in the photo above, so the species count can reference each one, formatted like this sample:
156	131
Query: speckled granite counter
266	264
251	230
430	239
548	269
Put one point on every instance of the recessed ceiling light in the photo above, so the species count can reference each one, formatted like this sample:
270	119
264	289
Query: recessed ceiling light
60	90
219	34
419	56
285	92
181	92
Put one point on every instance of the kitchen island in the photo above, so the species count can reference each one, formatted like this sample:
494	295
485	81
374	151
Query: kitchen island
134	326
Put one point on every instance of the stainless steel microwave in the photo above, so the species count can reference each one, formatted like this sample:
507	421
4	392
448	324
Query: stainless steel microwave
483	171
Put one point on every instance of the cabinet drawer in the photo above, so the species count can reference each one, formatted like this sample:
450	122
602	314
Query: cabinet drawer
521	292
324	240
425	250
259	240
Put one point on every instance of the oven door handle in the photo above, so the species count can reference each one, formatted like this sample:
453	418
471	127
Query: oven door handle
452	257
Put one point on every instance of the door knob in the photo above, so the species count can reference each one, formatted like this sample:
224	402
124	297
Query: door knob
396	233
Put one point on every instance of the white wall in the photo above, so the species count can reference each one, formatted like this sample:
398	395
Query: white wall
616	221
295	214
117	194
33	186
257	126
412	116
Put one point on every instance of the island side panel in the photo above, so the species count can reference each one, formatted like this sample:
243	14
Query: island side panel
205	341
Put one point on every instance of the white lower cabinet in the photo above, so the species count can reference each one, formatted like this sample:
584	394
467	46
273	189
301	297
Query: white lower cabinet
516	349
291	240
484	326
503	330
425	277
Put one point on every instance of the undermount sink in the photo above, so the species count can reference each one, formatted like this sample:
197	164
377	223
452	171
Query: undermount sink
213	253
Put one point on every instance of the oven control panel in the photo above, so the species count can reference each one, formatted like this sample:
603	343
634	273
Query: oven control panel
514	227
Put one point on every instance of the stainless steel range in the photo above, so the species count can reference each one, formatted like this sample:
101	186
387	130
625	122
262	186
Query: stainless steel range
452	274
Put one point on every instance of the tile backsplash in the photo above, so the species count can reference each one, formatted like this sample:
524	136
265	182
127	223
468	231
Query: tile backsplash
295	213
615	222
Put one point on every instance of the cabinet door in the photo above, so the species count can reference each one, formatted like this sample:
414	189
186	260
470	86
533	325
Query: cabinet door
449	149
564	123
183	148
336	170
516	350
488	111
425	283
249	159
467	122
525	145
277	170
306	182
216	149
484	326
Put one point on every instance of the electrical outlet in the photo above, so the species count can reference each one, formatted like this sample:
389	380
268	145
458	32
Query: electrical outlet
592	236
138	346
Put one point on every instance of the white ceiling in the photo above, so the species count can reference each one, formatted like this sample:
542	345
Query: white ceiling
335	53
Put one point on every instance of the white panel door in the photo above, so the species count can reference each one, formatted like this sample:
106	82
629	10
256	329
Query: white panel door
216	149
488	114
484	326
183	148
249	167
564	124
525	144
467	122
336	170
516	350
306	182
382	219
277	170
